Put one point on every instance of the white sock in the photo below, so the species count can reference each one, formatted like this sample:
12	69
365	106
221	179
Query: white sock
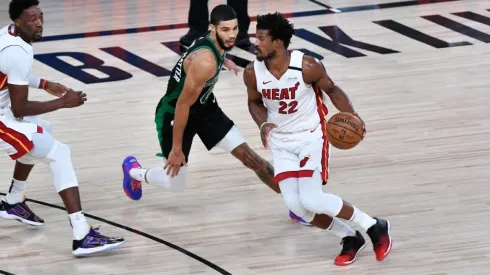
138	174
158	176
16	192
79	225
341	229
362	219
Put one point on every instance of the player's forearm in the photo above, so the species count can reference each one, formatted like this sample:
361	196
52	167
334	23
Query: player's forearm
34	108
340	100
37	82
257	111
180	121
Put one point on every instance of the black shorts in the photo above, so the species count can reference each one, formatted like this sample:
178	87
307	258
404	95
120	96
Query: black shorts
211	129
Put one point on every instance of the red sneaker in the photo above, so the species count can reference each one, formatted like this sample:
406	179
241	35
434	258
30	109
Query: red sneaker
380	236
352	245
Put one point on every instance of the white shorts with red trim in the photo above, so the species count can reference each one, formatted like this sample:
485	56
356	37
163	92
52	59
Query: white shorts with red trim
16	134
297	155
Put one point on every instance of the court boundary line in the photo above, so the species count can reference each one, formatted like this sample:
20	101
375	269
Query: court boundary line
137	232
320	4
60	37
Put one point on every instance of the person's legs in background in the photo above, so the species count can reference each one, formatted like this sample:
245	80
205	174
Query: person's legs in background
241	9
198	21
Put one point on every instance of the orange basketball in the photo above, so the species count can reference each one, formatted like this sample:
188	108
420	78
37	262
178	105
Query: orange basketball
344	130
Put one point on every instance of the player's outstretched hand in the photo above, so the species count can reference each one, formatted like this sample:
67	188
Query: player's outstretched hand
73	99
265	131
232	66
175	160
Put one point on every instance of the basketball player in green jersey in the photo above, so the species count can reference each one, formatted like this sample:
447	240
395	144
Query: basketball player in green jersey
189	108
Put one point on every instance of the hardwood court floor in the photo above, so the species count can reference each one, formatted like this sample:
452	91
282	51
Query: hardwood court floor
424	164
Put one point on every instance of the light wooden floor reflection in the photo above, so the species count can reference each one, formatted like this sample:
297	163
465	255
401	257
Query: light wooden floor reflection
424	164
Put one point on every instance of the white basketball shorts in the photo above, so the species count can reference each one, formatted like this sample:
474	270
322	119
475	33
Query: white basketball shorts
297	155
16	134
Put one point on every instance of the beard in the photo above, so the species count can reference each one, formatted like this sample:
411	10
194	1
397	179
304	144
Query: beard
266	57
221	43
36	38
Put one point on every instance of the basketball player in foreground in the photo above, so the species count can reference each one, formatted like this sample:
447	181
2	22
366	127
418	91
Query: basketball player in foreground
27	139
291	84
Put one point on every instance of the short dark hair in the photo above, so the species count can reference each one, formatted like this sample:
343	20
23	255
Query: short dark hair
222	13
277	25
17	7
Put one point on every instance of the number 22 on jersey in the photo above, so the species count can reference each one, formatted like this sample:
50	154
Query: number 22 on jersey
288	108
286	97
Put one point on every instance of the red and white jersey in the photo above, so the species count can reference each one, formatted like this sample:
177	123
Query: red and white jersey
16	58
293	105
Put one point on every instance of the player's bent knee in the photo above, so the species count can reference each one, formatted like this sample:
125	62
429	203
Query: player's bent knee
43	144
289	192
59	161
232	140
320	202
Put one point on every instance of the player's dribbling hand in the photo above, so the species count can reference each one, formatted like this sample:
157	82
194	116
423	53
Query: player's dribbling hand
265	131
175	160
363	124
73	99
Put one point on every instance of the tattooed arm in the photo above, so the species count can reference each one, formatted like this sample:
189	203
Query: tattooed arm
314	73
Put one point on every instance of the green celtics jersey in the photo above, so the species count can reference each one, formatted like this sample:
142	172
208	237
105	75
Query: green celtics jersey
178	76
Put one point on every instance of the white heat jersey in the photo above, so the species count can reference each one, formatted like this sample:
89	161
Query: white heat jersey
292	105
16	58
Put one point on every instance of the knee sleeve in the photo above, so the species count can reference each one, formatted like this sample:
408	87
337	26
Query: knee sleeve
232	140
290	194
58	156
43	142
315	200
59	161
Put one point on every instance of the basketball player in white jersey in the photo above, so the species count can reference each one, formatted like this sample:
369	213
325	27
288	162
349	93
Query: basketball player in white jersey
27	139
290	85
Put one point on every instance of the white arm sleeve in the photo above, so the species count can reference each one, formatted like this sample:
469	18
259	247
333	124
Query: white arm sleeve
34	81
17	65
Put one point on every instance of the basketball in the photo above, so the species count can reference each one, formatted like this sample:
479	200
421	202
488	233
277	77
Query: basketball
344	130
